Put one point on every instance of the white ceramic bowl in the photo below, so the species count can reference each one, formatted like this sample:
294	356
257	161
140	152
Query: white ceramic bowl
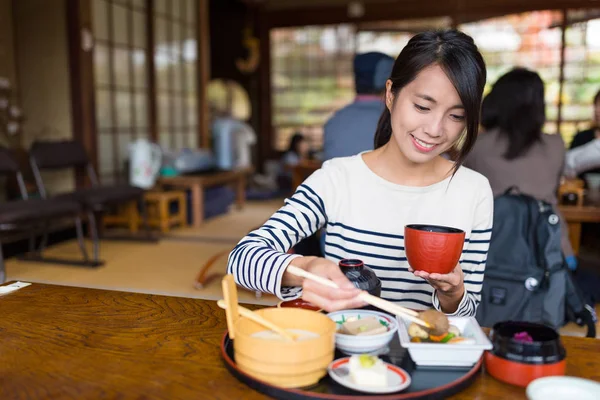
447	354
352	344
563	388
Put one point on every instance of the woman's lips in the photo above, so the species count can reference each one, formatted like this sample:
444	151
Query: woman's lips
422	146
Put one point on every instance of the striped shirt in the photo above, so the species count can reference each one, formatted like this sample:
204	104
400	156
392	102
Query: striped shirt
363	216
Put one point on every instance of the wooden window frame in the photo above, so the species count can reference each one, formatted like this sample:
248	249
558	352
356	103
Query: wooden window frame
83	85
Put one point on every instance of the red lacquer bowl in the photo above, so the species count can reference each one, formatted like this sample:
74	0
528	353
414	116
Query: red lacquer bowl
433	248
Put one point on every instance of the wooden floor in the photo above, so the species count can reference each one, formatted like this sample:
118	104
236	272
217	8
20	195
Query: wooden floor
169	267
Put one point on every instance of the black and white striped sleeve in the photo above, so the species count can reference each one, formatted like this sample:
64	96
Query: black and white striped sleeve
474	256
260	259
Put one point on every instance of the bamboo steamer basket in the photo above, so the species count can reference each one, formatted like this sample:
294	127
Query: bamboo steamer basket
284	363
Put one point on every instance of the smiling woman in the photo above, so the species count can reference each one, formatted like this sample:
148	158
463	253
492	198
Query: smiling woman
365	201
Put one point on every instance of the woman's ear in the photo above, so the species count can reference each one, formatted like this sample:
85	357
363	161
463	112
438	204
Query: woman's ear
389	96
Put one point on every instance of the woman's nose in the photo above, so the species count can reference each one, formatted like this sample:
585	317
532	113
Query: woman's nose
434	128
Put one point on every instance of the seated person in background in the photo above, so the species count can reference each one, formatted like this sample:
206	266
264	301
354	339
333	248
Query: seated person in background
513	150
351	129
297	151
582	158
584	137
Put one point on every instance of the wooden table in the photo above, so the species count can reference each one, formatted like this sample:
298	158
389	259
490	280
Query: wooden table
575	216
197	183
72	343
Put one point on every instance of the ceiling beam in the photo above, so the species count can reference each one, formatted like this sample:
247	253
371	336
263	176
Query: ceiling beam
462	10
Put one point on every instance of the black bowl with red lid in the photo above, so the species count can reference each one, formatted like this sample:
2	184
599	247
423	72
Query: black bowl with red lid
523	352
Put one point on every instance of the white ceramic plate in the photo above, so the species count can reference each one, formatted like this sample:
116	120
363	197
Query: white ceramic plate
397	378
563	387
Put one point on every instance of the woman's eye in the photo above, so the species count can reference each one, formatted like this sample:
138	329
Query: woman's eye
457	117
421	108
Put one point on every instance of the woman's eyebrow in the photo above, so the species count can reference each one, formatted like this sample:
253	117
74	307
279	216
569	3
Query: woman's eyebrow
431	99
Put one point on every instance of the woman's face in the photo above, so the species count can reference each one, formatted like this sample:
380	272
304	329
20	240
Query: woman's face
427	115
303	148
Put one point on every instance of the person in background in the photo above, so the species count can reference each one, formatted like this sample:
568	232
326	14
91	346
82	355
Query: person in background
584	137
513	150
350	130
582	158
297	151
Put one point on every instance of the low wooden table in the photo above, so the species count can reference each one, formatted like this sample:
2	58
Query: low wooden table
197	183
63	342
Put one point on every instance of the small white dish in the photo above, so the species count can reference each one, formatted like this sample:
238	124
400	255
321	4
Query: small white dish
351	344
563	388
397	378
447	354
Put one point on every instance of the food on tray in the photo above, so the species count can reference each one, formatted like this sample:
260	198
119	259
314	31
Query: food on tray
362	326
523	337
438	320
441	331
366	370
272	335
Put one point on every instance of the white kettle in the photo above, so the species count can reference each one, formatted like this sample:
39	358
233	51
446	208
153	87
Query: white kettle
145	160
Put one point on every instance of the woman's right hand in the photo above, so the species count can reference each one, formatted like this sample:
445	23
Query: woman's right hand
346	297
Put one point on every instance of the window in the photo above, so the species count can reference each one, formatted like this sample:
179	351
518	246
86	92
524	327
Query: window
122	74
311	77
582	70
312	66
175	48
121	83
531	40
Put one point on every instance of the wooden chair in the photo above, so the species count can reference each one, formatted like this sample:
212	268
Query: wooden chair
96	198
35	215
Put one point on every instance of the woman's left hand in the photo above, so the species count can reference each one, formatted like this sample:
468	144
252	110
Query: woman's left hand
450	287
445	283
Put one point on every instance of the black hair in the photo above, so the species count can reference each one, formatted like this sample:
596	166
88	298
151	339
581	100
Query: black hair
456	53
516	107
295	141
597	97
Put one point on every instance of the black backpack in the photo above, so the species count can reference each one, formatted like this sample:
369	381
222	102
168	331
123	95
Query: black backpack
526	278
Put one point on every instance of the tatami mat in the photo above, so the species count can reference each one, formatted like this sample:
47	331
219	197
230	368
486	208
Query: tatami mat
168	267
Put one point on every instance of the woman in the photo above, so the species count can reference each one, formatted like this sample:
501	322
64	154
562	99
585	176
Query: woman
297	151
433	99
513	150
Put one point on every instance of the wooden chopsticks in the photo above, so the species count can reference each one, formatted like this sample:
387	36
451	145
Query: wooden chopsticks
366	297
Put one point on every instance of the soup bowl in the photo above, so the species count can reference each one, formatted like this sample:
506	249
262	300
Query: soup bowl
266	356
357	344
433	248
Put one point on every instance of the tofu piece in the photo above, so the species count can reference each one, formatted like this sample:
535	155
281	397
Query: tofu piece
366	370
363	326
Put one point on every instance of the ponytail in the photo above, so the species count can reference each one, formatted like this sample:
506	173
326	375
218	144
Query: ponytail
384	129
